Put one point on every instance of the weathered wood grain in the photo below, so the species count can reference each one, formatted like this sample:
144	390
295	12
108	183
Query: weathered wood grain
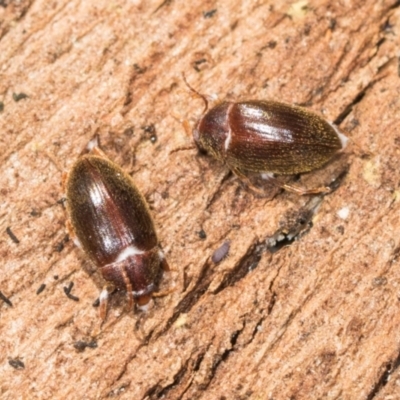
318	319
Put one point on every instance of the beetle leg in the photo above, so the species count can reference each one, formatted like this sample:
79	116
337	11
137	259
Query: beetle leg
93	143
247	181
303	191
294	188
64	179
128	287
52	159
96	151
71	233
186	127
271	179
164	264
188	131
185	123
164	292
103	298
130	299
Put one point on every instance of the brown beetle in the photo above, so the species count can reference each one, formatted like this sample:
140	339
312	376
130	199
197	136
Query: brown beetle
111	222
267	137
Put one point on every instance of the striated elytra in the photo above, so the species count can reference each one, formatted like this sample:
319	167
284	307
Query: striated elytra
267	137
110	220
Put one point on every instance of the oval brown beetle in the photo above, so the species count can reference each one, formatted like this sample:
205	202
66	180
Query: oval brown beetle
110	220
267	137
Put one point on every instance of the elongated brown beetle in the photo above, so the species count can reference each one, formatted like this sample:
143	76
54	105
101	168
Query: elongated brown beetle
110	220
267	137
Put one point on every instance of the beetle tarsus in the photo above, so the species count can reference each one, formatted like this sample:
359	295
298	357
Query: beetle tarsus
96	151
103	299
164	264
71	233
64	179
186	127
247	181
164	292
303	191
104	295
130	299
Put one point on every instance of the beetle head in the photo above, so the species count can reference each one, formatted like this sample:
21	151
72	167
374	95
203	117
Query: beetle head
212	133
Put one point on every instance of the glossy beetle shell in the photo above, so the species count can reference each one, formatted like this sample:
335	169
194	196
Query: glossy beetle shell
112	224
267	136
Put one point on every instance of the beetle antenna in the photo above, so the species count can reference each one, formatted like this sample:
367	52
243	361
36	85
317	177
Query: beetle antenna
196	92
180	148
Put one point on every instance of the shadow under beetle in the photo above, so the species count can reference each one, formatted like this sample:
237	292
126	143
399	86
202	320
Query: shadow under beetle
110	220
267	137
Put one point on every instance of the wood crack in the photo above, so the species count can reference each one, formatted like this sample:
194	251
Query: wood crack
388	369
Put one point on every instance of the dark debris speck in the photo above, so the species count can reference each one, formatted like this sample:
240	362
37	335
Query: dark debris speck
35	213
210	13
202	234
138	69
67	291
5	299
59	247
19	96
150	132
12	235
41	288
81	345
16	363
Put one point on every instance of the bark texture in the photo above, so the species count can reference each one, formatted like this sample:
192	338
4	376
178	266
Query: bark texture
317	319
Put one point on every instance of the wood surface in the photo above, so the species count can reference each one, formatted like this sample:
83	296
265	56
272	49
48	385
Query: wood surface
317	319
